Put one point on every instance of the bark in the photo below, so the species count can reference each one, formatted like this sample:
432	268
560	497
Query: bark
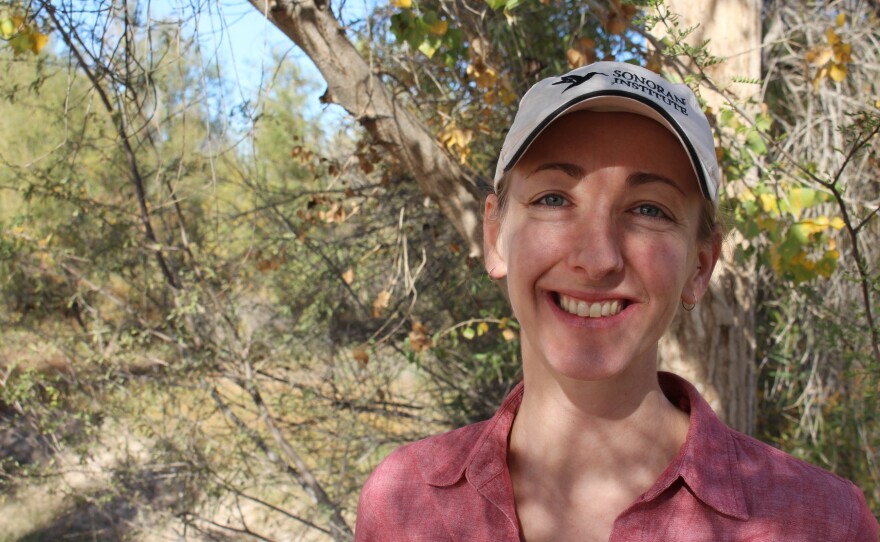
714	345
352	83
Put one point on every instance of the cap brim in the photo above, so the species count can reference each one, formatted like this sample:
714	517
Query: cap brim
618	101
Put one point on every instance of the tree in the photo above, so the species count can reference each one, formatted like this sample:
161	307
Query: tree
724	369
715	344
251	313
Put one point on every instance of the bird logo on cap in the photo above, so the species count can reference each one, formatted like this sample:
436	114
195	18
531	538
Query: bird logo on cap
574	80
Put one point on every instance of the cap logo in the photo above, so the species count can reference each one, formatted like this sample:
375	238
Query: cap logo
651	88
574	80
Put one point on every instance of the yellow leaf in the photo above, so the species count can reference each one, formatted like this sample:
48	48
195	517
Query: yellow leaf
38	41
837	223
7	28
482	328
819	55
832	36
508	334
810	227
348	276
487	78
775	260
439	28
843	52
402	4
841	19
503	323
770	205
508	97
838	72
766	223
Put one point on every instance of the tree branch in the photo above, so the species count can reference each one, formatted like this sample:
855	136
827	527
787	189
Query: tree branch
352	84
136	178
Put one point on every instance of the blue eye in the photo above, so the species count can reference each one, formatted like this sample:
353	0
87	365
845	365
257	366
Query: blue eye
651	211
552	200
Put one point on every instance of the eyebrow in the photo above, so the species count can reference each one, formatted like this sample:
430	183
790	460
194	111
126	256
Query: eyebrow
572	170
642	177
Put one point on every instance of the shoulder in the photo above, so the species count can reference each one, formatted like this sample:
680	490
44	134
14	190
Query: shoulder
760	460
779	486
399	491
428	458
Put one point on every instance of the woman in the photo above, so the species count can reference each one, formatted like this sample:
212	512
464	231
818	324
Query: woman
602	223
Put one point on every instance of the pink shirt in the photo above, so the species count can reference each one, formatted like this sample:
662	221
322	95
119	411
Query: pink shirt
723	485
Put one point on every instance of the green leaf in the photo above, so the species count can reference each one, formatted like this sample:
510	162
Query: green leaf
726	115
763	123
496	4
799	199
468	333
755	142
828	263
800	233
429	19
789	249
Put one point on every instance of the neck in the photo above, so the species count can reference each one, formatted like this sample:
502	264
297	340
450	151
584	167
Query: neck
620	426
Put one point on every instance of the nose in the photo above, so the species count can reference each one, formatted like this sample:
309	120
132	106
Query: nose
596	246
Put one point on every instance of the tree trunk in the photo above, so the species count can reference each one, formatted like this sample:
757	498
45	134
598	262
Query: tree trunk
714	345
352	84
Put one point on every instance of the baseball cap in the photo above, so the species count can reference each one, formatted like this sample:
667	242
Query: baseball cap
615	86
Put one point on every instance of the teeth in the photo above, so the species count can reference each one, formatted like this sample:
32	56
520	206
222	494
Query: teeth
589	310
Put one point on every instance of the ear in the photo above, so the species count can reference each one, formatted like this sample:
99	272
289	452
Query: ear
698	283
496	265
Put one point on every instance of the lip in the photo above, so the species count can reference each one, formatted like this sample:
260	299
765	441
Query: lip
585	322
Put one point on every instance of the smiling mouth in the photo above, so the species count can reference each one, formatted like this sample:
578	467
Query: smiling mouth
587	309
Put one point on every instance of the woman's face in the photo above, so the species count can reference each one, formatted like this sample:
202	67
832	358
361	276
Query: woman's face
598	241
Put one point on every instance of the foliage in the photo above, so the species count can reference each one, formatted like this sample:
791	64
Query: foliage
805	213
249	313
20	30
820	335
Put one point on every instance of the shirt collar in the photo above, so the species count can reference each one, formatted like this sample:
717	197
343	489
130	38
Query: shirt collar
480	449
706	462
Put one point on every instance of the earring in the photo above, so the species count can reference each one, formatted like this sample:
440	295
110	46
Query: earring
689	306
